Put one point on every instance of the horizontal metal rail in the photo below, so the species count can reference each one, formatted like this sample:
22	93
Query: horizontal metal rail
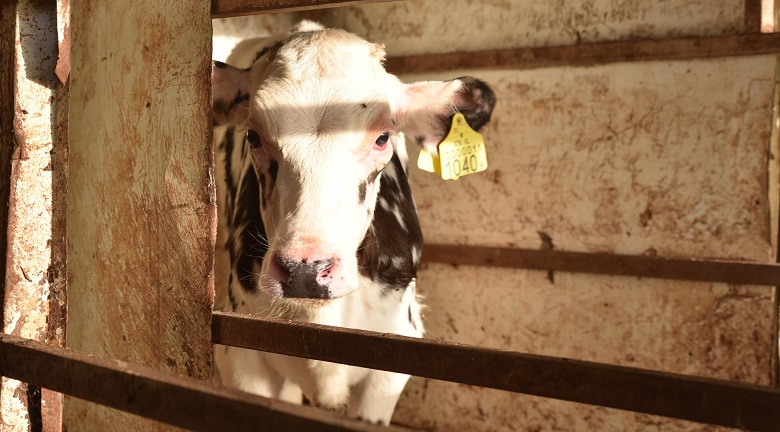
734	272
684	397
590	54
179	401
231	8
581	54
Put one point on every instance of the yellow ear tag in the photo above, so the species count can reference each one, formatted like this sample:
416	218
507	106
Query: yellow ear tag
461	153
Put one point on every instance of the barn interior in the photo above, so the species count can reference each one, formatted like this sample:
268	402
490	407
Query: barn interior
670	158
628	217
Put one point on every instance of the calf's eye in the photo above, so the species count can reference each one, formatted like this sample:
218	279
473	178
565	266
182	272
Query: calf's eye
382	140
253	139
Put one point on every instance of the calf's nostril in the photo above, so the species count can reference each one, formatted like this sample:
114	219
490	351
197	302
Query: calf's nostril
325	264
324	267
284	267
292	268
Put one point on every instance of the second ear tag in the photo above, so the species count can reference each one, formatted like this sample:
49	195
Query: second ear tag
461	153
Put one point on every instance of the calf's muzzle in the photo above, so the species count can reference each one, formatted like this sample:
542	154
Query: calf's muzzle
304	278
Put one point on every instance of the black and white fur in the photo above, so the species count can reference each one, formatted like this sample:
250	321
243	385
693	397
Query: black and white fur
254	180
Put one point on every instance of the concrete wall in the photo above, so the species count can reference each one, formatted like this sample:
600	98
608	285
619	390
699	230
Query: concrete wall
664	158
661	158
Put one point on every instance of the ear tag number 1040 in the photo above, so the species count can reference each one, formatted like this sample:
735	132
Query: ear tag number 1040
461	153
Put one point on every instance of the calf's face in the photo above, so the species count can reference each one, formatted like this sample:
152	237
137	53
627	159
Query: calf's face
321	114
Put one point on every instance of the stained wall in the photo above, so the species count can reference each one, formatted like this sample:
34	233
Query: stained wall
662	158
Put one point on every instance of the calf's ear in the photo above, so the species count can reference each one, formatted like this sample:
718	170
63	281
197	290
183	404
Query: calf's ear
425	109
230	93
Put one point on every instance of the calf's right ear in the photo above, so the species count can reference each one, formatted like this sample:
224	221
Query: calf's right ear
230	93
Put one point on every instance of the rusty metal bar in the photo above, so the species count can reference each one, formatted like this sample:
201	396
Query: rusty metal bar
684	397
590	54
179	401
231	8
7	99
749	273
753	16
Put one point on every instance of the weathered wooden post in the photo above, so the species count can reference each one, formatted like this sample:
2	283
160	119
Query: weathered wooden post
141	207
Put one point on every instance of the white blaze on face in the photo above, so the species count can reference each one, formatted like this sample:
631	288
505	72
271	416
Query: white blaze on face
319	112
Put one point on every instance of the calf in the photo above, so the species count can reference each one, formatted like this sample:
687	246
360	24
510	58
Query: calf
321	225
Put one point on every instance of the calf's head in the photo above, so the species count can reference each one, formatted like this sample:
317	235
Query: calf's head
321	115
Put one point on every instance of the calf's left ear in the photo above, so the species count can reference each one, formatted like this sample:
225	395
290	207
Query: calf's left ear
230	92
425	110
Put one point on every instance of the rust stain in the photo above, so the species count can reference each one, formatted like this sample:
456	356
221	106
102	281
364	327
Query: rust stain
661	159
645	217
139	184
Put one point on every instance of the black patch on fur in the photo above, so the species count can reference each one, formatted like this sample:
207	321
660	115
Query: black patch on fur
220	65
221	109
266	50
260	53
385	254
475	101
362	193
223	143
411	321
363	187
228	143
247	244
218	109
231	295
240	98
263	202
372	177
273	171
